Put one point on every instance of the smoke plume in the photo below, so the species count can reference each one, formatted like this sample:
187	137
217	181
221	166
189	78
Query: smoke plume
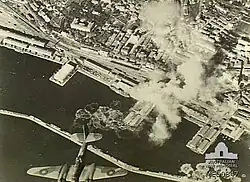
159	131
164	22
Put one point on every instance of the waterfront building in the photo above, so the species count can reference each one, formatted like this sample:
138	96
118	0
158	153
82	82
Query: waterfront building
22	37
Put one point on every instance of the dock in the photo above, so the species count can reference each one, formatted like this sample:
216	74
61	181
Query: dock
138	113
202	140
118	78
63	75
95	71
229	123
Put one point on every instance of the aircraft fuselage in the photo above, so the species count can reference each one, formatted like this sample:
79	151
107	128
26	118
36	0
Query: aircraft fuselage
79	163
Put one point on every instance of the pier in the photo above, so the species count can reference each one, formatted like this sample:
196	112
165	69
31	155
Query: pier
230	123
138	113
118	78
63	75
97	151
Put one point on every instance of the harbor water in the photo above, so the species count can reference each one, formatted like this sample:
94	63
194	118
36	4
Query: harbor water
25	88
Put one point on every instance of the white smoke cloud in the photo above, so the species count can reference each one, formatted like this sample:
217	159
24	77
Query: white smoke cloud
217	84
163	21
159	131
160	19
191	70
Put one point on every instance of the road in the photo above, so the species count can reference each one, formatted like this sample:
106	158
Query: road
36	31
84	52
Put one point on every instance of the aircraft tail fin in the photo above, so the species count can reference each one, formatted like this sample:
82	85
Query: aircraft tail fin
92	137
86	137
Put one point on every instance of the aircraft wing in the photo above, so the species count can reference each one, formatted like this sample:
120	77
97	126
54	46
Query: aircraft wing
72	138
102	172
51	172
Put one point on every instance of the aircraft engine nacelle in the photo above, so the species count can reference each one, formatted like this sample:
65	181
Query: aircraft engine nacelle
63	173
89	173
